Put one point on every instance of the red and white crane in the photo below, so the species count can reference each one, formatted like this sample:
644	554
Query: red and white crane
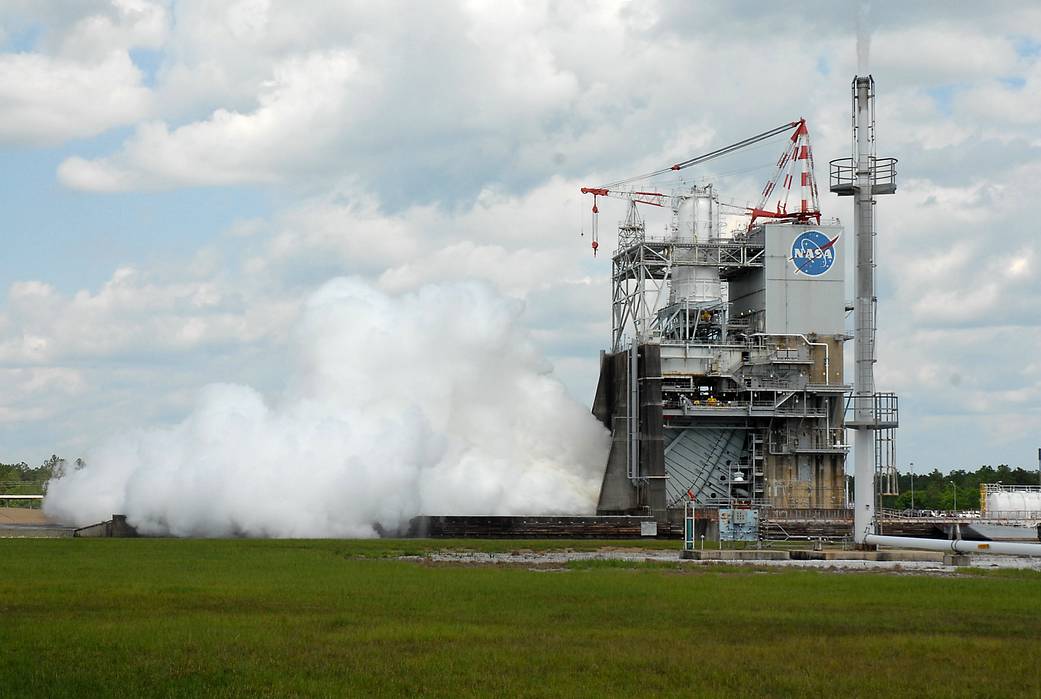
797	159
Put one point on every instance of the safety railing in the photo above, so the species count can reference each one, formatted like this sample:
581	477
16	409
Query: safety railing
843	174
873	410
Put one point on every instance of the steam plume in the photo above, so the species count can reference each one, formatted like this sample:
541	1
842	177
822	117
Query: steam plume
863	39
433	402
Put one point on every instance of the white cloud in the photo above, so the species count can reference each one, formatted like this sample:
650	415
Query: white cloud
130	315
420	105
80	81
123	25
520	242
299	113
1000	103
46	100
33	394
943	52
517	271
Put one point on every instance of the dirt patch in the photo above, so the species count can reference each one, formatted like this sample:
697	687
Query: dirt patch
22	515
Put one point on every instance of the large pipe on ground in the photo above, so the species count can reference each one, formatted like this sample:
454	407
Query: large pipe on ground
955	545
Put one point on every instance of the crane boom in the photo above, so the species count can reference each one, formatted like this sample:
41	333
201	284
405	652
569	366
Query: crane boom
719	152
796	151
651	198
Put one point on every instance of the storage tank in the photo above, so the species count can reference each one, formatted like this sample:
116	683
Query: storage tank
1012	503
697	221
705	213
697	217
685	221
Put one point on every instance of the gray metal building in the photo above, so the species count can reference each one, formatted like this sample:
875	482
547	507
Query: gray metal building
724	382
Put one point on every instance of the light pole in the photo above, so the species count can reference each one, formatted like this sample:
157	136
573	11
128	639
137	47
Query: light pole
955	487
912	488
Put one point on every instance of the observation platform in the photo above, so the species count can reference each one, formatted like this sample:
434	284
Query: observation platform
843	176
875	411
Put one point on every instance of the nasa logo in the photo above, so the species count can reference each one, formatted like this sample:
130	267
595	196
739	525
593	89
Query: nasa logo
813	253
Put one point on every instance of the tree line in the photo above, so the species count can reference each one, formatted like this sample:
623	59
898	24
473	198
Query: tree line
939	491
23	479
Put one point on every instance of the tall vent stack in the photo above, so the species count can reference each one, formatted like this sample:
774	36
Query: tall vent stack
874	415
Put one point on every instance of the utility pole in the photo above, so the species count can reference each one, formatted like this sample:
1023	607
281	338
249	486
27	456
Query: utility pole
912	483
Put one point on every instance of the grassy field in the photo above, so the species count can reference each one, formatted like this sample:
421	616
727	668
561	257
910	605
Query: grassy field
335	618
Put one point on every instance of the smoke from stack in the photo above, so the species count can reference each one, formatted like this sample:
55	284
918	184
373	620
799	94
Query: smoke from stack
433	402
863	39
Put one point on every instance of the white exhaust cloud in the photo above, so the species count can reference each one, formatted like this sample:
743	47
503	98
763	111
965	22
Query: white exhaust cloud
864	39
433	402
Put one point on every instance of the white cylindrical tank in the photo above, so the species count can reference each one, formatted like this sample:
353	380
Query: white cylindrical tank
697	217
684	231
705	226
697	220
1013	503
997	502
693	283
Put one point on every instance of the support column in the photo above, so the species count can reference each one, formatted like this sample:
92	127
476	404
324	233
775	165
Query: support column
652	444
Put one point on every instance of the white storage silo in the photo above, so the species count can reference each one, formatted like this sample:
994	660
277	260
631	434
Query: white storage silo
697	221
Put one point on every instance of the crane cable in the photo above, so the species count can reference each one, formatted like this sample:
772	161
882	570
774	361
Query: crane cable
707	156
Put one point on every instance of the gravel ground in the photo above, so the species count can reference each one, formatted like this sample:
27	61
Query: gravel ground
559	557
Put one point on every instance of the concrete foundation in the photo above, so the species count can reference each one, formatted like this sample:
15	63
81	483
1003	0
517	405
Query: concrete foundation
808	555
532	527
892	556
735	555
957	559
34	531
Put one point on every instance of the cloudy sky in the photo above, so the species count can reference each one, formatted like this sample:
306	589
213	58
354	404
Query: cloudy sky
178	176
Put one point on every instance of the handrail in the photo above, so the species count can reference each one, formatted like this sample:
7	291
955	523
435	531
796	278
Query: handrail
842	171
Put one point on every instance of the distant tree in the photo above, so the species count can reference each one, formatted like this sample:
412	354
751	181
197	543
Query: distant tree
53	467
933	490
22	479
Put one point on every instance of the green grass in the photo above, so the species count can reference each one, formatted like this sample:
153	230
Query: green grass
1020	573
384	548
333	618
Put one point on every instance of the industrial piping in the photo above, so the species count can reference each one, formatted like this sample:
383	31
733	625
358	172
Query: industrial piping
955	545
827	354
